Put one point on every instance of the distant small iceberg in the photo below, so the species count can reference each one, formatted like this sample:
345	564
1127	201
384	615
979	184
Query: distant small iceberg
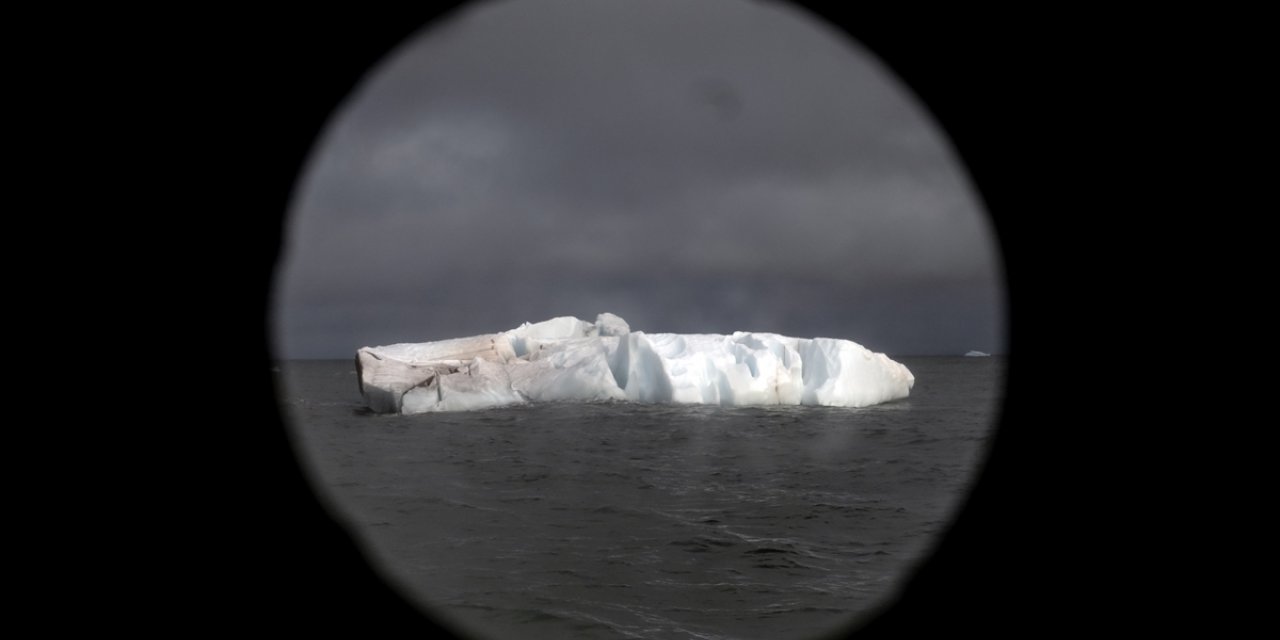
977	354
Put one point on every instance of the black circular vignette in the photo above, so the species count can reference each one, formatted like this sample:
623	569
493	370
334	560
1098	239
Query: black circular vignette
285	564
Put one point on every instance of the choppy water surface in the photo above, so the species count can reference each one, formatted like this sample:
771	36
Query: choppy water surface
648	521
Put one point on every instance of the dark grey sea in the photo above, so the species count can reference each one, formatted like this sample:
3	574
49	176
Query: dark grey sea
648	521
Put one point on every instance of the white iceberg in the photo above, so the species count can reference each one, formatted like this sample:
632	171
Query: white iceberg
567	359
976	354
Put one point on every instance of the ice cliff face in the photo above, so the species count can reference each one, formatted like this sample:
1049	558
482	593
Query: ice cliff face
567	359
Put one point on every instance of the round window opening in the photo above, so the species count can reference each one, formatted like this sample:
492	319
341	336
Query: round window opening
609	319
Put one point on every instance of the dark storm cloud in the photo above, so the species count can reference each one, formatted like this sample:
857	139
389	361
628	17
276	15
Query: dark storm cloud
703	166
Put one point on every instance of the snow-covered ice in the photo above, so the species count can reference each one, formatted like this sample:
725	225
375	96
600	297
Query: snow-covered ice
567	359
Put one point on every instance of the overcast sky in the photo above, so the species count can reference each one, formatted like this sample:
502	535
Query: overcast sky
698	167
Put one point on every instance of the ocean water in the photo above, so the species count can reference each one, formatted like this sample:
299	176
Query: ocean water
623	520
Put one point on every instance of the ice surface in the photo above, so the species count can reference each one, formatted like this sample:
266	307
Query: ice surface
567	359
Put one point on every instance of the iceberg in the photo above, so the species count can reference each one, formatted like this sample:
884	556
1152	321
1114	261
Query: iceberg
570	360
976	354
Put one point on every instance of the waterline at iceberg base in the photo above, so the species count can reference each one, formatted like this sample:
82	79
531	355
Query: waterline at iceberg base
567	359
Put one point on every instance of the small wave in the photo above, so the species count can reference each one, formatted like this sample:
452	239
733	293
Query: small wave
773	612
766	550
456	503
521	499
538	615
567	572
702	544
528	477
782	562
779	563
585	622
472	605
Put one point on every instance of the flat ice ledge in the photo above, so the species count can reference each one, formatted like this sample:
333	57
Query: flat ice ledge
567	359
